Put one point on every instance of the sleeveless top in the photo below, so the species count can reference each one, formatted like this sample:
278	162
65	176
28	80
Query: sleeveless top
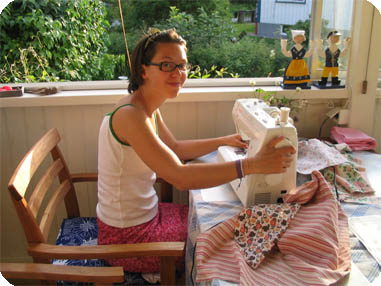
126	196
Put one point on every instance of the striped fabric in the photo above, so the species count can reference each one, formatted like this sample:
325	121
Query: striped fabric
314	250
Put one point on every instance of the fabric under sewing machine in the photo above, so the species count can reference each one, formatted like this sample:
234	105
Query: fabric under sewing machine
310	232
211	208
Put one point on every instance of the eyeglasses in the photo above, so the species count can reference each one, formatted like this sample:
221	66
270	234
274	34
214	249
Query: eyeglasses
170	67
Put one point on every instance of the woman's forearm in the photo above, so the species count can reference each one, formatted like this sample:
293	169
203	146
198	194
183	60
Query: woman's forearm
203	175
191	149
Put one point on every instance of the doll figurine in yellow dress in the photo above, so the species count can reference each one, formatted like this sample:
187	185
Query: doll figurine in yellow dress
296	73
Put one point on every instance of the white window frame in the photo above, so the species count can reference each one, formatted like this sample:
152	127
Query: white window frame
363	66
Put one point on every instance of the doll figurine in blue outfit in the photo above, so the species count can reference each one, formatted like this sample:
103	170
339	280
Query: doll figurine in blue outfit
296	73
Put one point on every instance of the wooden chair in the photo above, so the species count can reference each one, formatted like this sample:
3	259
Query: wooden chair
50	272
37	232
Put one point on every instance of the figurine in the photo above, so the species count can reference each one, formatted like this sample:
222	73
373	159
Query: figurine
331	55
296	73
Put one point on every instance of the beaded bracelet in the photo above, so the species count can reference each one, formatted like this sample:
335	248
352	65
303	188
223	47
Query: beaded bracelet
238	167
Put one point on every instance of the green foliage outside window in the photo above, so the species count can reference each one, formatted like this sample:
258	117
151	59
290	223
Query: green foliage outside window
209	39
51	40
145	13
206	28
198	73
250	57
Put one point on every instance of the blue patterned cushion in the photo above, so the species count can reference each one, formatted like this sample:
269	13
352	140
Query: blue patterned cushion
84	231
79	231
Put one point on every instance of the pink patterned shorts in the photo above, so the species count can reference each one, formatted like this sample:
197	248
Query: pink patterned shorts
170	224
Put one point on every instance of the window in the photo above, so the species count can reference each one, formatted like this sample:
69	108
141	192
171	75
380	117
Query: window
246	53
329	17
335	20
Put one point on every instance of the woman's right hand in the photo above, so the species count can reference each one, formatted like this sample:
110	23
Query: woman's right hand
270	159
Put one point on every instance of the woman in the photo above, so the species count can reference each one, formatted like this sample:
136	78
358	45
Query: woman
135	145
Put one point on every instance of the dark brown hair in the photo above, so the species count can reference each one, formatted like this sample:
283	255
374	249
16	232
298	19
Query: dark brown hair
145	50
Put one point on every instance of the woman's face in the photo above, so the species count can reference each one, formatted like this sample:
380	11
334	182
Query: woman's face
168	82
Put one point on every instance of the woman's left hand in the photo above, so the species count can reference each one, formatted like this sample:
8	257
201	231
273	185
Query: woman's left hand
235	140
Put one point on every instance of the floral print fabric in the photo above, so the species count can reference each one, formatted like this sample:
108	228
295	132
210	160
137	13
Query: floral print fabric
350	181
342	171
259	228
315	155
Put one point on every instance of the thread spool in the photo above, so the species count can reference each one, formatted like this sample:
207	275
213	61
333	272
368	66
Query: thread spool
284	113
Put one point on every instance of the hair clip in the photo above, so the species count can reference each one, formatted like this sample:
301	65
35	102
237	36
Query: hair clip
152	33
153	30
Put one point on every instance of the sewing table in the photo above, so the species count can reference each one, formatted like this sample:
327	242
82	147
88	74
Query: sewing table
208	207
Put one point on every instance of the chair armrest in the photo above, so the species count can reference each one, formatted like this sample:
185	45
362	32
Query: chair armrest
62	272
84	177
161	249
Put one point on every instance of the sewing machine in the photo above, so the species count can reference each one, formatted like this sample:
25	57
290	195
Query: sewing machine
258	123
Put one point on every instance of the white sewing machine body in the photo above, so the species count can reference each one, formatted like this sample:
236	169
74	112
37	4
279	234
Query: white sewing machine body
259	123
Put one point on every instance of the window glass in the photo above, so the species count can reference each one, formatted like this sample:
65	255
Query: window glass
78	40
43	41
335	19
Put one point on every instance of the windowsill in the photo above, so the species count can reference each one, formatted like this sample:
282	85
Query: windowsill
187	94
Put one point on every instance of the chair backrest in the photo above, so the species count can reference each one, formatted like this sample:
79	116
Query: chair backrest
50	272
28	211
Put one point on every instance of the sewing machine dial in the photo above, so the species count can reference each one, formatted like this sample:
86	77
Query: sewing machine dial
284	143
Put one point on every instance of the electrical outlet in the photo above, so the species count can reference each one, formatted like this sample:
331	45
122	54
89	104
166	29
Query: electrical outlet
333	112
343	117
